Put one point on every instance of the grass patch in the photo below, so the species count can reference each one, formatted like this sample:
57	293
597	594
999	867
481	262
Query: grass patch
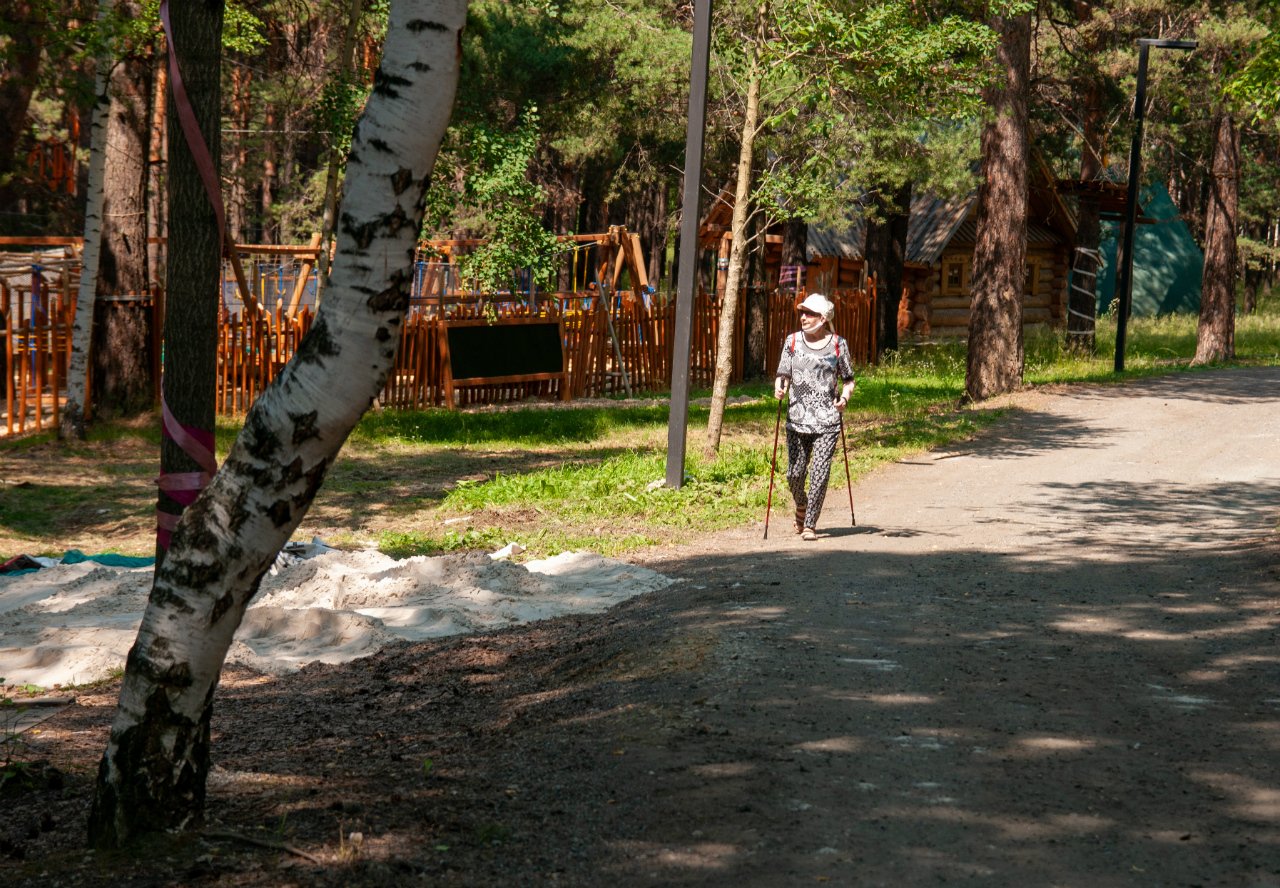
555	478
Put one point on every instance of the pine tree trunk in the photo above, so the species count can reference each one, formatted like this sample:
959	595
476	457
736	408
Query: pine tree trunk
886	255
241	107
121	352
795	256
153	772
995	356
1216	333
755	350
737	256
194	251
270	178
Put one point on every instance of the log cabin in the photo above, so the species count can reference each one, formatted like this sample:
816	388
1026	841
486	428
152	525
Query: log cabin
941	235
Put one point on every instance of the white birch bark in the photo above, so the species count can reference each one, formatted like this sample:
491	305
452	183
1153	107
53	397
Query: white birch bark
74	415
153	772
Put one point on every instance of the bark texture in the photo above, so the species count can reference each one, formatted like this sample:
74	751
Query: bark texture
121	354
153	772
193	253
995	357
1216	332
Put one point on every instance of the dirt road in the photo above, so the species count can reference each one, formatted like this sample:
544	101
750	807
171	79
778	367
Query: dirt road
1045	658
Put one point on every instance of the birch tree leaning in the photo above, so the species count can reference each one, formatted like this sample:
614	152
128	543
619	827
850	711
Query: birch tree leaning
153	772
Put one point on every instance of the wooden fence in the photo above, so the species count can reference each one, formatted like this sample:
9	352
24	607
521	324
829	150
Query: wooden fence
35	315
613	346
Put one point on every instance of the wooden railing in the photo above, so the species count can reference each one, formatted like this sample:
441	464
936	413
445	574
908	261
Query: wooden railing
35	315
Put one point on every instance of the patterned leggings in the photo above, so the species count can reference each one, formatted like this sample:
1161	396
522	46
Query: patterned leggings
811	453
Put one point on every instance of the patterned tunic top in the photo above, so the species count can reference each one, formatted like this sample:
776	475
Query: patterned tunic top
813	373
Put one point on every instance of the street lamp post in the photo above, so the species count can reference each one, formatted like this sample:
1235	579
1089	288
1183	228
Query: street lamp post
678	419
1124	274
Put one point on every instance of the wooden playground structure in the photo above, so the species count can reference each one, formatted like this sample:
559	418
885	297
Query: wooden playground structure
613	330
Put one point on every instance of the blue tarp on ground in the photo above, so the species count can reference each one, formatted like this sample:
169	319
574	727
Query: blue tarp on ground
23	564
1167	261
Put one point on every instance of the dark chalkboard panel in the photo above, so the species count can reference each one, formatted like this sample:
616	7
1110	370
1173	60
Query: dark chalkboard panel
505	349
508	351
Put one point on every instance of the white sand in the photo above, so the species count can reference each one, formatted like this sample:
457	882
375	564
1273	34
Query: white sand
73	624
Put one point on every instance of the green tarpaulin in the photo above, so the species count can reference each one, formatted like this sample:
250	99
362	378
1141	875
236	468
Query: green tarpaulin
1167	262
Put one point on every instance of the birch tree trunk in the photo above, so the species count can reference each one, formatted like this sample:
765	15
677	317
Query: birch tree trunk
74	418
152	775
995	354
1216	332
737	247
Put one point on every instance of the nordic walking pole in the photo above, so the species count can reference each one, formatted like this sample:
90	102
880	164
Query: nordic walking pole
773	466
847	480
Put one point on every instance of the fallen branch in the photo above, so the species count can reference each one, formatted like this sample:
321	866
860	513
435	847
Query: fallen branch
263	843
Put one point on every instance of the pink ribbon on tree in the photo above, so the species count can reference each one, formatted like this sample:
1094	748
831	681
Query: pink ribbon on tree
185	487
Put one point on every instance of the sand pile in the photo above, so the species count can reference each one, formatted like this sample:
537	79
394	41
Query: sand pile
74	623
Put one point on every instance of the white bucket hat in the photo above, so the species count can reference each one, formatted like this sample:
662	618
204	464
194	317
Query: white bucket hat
820	304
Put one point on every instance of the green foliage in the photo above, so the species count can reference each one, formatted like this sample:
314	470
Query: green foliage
497	201
1257	85
858	97
340	104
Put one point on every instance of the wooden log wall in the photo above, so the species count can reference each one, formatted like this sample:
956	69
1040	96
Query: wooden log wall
943	311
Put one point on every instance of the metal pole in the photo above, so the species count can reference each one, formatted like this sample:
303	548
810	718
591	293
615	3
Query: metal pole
1124	273
678	422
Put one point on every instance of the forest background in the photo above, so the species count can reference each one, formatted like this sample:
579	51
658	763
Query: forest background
571	116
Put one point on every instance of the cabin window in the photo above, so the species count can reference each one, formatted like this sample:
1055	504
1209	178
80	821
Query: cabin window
953	276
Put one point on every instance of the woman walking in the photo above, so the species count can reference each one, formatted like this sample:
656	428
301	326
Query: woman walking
813	359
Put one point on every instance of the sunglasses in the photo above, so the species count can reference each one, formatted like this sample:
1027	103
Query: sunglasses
810	314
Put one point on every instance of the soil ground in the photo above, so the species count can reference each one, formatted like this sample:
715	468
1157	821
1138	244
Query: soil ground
1047	657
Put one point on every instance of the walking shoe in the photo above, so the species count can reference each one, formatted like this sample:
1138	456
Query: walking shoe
809	535
799	520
